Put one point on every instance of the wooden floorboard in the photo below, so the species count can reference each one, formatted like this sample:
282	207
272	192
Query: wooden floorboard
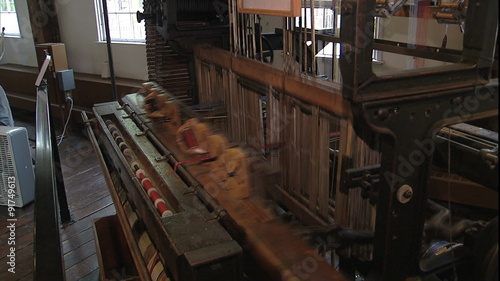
88	200
77	240
82	269
94	275
79	253
85	223
24	264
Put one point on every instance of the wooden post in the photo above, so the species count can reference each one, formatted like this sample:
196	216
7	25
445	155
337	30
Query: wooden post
44	22
45	29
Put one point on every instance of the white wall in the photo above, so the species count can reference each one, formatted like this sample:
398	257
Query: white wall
78	27
77	24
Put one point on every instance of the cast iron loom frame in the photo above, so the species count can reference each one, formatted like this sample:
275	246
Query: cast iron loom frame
407	110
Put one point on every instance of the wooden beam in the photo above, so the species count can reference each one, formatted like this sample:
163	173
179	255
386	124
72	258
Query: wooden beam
44	22
307	89
444	186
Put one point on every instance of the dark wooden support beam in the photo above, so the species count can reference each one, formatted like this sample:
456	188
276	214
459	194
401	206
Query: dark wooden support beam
44	21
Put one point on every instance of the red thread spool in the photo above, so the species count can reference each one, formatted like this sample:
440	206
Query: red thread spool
163	209
151	190
166	213
159	201
140	174
154	196
189	138
147	184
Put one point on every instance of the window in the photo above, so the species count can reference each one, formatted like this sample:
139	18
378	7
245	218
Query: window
8	18
123	26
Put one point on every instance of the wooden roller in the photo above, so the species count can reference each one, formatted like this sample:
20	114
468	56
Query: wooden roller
444	16
450	5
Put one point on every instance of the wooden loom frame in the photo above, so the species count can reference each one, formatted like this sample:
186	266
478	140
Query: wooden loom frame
267	8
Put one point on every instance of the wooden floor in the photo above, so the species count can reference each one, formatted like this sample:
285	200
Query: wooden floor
88	199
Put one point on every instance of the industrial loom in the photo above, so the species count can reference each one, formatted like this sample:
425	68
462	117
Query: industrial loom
225	167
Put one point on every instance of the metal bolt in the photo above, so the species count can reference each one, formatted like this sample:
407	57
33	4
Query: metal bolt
405	193
383	113
457	100
408	194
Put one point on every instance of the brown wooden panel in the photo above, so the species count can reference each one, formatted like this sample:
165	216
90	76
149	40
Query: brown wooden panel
446	187
19	84
214	56
282	8
328	98
259	72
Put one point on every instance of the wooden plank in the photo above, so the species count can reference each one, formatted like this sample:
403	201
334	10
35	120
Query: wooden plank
345	147
82	269
78	240
92	208
85	197
29	277
443	186
281	8
259	72
23	238
23	216
92	276
80	253
214	56
84	223
307	89
24	264
326	97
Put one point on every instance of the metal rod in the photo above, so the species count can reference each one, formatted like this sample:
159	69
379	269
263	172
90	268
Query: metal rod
421	51
313	40
110	53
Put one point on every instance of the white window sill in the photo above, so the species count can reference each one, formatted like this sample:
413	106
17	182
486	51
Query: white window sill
122	42
14	36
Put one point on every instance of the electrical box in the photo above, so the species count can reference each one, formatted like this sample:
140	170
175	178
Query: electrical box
66	80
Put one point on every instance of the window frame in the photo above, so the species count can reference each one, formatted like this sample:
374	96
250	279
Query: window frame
11	9
101	31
